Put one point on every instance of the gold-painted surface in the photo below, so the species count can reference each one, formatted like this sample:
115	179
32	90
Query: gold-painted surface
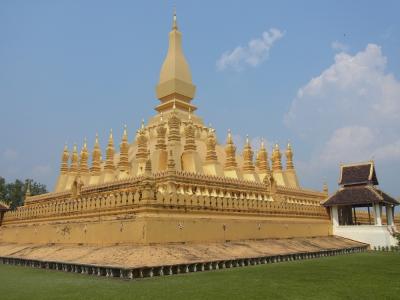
175	81
173	183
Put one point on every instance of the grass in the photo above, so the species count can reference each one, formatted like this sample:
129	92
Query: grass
371	275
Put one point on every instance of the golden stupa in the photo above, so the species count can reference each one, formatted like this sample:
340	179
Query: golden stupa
174	183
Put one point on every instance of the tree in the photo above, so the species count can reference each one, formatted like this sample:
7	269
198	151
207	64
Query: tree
2	188
13	193
35	187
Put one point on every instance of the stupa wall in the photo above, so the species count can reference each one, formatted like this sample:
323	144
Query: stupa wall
164	228
167	209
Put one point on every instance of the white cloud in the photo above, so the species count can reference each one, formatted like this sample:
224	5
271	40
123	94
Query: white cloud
389	152
10	154
358	143
338	46
352	143
356	104
253	54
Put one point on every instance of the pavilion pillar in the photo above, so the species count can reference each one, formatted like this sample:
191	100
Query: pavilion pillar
389	214
378	214
334	215
393	208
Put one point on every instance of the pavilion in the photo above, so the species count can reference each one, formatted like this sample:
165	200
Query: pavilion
358	189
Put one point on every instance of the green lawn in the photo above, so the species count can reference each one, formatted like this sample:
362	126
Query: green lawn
356	276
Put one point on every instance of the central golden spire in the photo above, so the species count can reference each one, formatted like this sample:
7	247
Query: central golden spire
175	84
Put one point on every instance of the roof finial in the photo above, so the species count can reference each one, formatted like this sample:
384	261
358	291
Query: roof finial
125	132
229	138
230	152
262	159
276	158
174	106
84	155
325	188
64	159
96	157
74	159
247	140
247	154
289	157
123	163
174	24
110	153
142	125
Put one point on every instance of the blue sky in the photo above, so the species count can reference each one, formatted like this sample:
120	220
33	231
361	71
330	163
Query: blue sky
323	74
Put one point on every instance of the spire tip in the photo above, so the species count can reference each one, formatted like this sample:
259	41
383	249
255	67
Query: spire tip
174	24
